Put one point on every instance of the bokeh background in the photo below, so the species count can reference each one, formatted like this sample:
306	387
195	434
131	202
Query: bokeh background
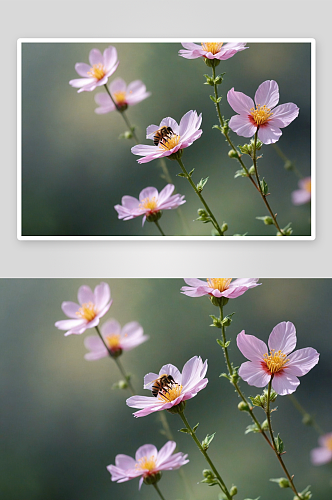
75	168
62	423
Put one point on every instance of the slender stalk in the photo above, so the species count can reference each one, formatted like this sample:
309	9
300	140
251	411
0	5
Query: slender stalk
222	485
278	454
117	361
214	220
158	226
289	165
158	491
122	113
307	418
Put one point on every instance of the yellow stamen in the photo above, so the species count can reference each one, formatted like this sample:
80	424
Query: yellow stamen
87	311
169	393
220	284
307	185
275	361
213	47
169	143
328	443
261	114
146	463
120	98
97	71
149	203
113	341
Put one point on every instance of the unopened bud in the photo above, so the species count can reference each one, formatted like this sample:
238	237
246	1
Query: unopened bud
233	154
224	227
242	406
233	491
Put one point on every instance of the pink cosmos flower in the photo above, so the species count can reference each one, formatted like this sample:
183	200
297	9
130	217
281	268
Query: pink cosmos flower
149	202
280	365
172	389
117	339
302	195
262	118
169	137
219	287
211	50
123	96
96	74
323	454
93	306
148	462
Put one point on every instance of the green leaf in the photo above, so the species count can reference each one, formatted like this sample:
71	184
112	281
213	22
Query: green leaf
218	127
252	428
207	441
264	187
282	481
191	172
201	184
213	99
279	444
181	175
216	321
220	342
195	427
184	430
224	374
240	173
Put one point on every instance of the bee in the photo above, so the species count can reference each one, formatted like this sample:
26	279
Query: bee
163	382
162	135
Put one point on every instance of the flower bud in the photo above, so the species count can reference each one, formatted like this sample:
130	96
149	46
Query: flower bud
207	473
116	353
284	483
233	491
232	153
211	62
224	227
122	384
242	406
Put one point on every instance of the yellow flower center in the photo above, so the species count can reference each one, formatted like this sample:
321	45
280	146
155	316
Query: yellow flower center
120	98
146	463
87	311
213	47
97	71
168	143
307	185
169	393
261	114
275	361
113	341
328	443
220	284
149	203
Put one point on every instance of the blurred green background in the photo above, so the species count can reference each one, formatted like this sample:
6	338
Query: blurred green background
62	424
75	168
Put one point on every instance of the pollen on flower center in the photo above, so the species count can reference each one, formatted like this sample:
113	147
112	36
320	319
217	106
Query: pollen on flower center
120	98
220	284
97	71
275	361
146	463
87	311
113	341
169	393
149	203
168	143
261	114
213	47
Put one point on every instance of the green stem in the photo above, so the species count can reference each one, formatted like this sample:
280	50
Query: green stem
117	361
214	220
158	226
206	456
158	491
289	165
122	113
307	418
278	454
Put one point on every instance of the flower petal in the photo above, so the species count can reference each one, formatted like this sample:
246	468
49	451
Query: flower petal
267	94
70	309
149	378
269	134
284	383
82	69
111	327
254	374
148	192
240	102
283	337
117	85
95	57
242	126
147	450
171	370
125	462
320	456
284	114
251	347
165	452
85	295
301	361
102	295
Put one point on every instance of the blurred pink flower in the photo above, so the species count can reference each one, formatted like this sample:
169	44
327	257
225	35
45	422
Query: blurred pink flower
211	50
280	366
149	202
123	96
302	195
148	462
263	118
169	141
96	74
178	388
117	339
323	454
93	306
218	287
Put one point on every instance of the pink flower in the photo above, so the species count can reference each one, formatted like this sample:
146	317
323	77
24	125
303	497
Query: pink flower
149	202
302	195
172	389
169	137
123	96
93	306
148	462
263	118
219	287
280	366
117	339
323	454
96	74
211	50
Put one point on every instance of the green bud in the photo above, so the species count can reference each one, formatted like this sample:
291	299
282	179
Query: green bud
127	135
152	478
307	419
242	406
233	491
154	217
232	153
266	219
208	473
177	408
218	301
282	481
211	62
252	170
224	227
288	165
227	321
122	384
